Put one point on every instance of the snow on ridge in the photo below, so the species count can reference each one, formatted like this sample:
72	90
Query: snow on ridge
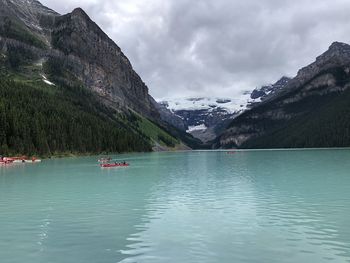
231	105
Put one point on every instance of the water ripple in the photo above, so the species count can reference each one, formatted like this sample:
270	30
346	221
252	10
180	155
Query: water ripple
285	206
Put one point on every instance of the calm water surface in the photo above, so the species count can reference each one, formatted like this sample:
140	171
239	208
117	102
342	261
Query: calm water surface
251	206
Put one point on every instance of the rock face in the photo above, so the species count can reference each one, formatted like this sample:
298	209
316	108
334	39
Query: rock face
338	55
103	67
169	117
82	50
285	119
32	13
267	91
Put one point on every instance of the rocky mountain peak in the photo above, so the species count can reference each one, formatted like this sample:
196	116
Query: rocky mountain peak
339	46
337	50
79	22
79	12
337	55
100	64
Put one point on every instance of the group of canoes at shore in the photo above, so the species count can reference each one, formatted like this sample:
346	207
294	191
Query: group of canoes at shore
104	162
21	159
109	163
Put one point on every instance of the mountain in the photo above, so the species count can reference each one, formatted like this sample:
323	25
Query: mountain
99	63
69	60
74	49
312	110
201	117
206	118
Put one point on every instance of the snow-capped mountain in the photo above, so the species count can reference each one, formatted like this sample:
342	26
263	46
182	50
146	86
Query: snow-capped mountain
205	118
202	116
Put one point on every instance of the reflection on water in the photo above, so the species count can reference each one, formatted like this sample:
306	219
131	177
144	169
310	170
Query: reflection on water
251	206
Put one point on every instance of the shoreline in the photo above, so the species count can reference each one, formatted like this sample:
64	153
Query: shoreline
77	155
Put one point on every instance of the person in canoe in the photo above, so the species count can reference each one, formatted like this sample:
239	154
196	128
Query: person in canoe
121	163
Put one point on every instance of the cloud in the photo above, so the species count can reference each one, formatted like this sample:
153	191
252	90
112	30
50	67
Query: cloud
219	48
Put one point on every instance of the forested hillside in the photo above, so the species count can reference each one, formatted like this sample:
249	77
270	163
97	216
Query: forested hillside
327	125
36	118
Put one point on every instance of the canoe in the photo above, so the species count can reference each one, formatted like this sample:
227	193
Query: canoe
27	161
19	161
110	165
32	161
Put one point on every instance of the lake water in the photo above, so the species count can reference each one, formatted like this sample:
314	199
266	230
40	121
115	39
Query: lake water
250	206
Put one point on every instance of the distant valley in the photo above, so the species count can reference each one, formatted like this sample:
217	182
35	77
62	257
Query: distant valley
206	118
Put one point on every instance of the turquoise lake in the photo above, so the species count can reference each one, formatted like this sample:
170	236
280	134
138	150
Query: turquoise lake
250	206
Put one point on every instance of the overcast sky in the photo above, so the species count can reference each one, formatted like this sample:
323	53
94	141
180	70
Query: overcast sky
216	47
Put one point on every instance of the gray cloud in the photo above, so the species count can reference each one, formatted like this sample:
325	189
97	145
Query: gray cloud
221	47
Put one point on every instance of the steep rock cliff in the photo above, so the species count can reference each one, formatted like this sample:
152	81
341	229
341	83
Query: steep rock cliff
100	64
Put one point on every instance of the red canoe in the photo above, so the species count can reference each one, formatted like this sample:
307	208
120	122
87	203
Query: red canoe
109	165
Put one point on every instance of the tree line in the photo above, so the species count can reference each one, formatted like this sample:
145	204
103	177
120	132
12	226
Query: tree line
37	119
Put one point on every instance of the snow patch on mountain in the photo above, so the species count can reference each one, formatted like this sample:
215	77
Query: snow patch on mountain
44	78
200	127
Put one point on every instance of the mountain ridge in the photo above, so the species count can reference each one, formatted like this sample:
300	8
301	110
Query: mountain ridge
313	91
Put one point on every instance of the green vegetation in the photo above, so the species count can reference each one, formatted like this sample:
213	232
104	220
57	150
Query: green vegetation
15	30
150	130
36	118
186	138
154	132
18	56
164	134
